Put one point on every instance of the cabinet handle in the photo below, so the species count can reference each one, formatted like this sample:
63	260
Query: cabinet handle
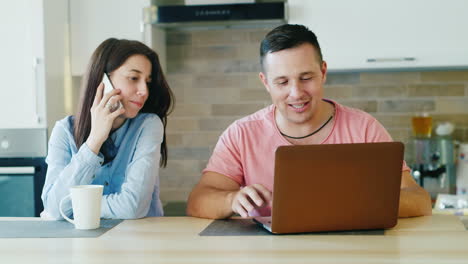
16	170
36	62
371	60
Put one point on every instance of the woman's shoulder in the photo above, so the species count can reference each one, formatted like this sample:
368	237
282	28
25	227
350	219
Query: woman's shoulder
62	131
66	124
148	120
148	126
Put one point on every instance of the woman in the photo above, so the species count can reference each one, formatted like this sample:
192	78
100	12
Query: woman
120	150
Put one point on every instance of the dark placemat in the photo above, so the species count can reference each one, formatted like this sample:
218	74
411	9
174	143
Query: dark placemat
51	229
175	208
246	227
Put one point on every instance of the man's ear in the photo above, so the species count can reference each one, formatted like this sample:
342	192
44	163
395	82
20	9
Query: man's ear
264	80
324	71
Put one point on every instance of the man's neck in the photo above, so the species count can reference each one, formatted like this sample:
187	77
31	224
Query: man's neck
319	118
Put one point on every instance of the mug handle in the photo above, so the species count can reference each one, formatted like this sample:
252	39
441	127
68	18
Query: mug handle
61	212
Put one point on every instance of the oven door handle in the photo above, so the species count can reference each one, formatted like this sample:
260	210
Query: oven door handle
17	170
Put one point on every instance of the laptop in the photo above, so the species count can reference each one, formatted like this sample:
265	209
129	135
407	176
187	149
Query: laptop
335	187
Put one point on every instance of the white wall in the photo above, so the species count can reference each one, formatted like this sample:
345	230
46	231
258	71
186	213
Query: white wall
57	61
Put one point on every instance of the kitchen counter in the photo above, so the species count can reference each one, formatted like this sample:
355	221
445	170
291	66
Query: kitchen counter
434	239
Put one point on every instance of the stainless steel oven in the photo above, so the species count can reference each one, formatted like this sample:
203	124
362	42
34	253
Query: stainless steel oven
22	171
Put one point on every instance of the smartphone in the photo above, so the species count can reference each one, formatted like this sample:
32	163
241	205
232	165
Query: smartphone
107	89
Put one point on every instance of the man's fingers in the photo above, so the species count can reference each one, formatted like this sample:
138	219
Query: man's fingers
254	196
251	197
240	210
244	202
266	194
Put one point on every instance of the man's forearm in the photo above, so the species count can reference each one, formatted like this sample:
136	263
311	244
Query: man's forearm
414	201
208	202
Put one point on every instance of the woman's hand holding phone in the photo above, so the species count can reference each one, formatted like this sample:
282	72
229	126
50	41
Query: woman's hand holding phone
107	89
102	118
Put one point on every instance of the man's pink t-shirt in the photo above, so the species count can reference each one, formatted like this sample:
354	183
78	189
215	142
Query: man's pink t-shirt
245	152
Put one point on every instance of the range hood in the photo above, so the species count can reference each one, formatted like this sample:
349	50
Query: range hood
215	13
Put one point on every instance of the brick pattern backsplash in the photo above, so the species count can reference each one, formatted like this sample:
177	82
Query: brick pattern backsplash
214	75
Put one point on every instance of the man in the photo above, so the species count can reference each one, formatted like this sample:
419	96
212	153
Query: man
239	175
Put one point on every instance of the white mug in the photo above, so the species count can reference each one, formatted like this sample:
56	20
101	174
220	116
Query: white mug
86	205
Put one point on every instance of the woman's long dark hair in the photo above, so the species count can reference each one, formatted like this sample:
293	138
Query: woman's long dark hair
109	56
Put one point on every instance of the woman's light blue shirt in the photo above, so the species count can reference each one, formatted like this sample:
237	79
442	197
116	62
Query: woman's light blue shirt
131	179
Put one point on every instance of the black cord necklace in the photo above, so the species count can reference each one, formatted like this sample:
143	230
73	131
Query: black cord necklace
331	117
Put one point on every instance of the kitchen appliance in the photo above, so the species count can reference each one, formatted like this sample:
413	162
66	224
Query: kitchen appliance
164	15
462	169
22	171
199	13
432	161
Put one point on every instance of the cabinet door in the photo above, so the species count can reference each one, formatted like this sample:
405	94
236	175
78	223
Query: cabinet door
370	34
92	22
22	64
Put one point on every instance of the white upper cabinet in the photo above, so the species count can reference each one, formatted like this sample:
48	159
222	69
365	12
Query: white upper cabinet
22	65
92	22
397	34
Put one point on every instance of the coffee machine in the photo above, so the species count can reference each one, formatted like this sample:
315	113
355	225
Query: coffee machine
432	162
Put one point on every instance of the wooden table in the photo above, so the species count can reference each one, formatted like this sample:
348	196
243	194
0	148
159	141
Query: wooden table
436	239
